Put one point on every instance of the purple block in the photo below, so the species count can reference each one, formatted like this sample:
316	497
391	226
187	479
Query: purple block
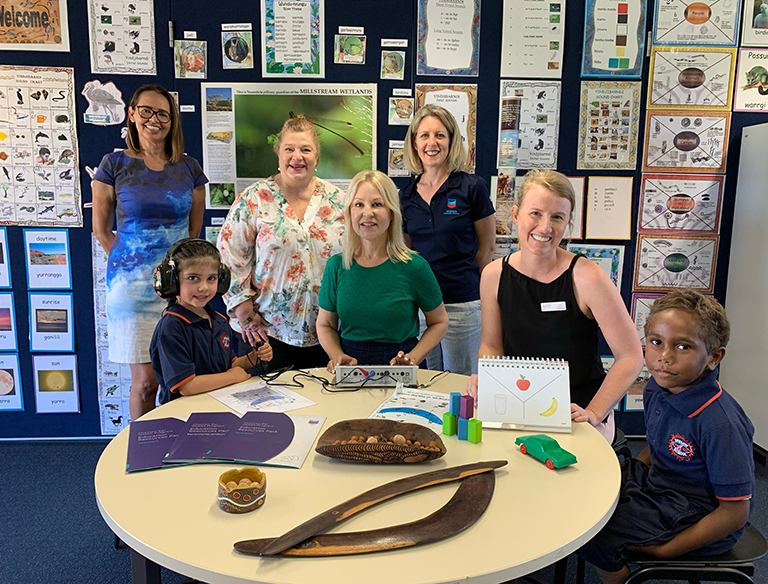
467	407
455	398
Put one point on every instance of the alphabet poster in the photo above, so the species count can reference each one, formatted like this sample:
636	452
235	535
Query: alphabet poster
56	384
11	395
48	259
34	26
51	324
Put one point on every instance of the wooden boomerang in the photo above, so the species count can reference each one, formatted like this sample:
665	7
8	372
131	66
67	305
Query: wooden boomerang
466	506
370	498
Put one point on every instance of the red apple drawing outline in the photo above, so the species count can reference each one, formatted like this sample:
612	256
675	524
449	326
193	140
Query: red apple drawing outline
523	384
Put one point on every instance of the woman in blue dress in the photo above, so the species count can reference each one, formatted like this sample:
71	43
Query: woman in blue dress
158	194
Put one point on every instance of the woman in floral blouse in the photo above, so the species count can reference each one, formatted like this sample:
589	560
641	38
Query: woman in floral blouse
276	240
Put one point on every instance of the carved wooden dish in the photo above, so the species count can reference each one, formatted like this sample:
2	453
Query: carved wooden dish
379	452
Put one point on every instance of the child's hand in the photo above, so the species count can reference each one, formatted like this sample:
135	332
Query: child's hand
264	352
239	374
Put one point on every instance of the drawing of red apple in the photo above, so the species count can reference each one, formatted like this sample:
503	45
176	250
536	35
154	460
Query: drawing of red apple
523	383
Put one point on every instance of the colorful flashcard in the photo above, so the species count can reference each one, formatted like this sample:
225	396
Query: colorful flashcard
675	261
105	104
614	38
11	394
56	384
122	37
752	79
448	38
532	38
680	203
5	260
292	32
349	49
393	65
48	259
237	46
754	32
609	257
51	323
35	26
609	207
8	337
690	141
704	22
400	111
539	121
695	77
641	307
190	59
609	124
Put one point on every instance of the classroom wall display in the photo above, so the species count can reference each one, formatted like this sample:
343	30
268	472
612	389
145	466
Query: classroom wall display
56	384
641	307
696	77
392	65
49	265
533	38
396	159
461	101
704	22
242	120
122	37
11	394
400	111
291	35
5	261
609	122
51	323
448	38
190	59
614	38
349	49
686	141
220	195
212	233
105	104
509	132
609	257
35	26
609	207
7	322
538	121
680	203
754	31
676	261
237	46
752	79
39	158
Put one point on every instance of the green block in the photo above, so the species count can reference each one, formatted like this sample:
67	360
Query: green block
449	424
475	433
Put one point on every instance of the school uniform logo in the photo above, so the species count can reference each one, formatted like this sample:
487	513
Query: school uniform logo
224	340
451	210
680	448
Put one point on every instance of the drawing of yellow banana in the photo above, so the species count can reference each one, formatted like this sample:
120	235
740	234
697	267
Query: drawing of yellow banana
551	410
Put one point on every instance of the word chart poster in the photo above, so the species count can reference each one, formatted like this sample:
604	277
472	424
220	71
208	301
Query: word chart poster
122	37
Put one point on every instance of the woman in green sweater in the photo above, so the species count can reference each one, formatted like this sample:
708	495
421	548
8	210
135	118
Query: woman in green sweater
376	286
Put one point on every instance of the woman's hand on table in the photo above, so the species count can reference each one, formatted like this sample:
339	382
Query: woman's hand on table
342	359
579	414
402	359
472	386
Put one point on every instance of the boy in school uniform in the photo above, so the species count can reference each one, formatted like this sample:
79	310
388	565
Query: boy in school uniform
191	349
691	488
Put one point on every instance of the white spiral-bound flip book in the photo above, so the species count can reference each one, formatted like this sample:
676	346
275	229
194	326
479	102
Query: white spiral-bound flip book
524	394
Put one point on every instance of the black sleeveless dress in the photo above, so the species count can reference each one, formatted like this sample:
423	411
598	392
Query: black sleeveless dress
545	321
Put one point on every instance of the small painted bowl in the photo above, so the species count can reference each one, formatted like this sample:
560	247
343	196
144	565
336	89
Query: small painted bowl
242	490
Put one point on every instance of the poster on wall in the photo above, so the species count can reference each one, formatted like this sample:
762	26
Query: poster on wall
461	101
755	24
752	80
686	141
614	38
609	207
704	22
121	37
291	35
448	38
7	323
641	307
11	394
105	104
34	26
610	258
39	160
680	203
51	324
609	124
237	46
538	122
533	38
676	261
56	384
48	259
241	121
5	261
691	77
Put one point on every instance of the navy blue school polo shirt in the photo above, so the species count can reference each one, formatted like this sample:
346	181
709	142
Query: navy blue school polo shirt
701	443
443	232
184	345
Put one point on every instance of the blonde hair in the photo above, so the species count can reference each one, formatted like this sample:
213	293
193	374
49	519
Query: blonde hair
297	124
457	155
174	140
551	180
397	250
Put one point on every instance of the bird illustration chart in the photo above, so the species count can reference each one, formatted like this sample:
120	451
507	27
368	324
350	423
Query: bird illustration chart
105	104
122	36
522	393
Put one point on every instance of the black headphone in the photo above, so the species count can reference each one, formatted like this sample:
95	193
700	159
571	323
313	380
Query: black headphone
166	277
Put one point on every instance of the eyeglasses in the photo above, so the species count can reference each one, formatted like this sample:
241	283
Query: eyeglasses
147	112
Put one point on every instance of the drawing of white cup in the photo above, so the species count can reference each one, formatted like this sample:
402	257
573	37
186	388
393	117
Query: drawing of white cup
500	402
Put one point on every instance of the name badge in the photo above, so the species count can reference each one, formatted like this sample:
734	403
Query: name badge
553	306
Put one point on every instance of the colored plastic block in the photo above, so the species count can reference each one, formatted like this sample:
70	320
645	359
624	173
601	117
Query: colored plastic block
475	433
449	424
467	407
463	428
455	398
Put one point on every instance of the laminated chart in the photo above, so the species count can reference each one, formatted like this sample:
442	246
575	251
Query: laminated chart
677	203
667	263
691	141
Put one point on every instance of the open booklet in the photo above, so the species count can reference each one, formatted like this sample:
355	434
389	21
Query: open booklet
262	438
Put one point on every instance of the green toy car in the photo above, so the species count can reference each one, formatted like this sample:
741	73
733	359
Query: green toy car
546	449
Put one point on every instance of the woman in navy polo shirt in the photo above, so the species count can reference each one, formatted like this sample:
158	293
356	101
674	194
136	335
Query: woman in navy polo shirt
448	218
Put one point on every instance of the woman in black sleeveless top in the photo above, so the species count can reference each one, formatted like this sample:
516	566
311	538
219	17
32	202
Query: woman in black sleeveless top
544	301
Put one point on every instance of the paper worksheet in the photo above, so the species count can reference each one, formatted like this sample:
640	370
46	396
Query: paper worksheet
257	396
609	207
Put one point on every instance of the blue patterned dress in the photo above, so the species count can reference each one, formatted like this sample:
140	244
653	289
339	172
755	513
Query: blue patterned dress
152	213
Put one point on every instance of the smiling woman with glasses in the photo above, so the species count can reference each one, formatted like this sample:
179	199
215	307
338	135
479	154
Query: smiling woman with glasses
158	196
